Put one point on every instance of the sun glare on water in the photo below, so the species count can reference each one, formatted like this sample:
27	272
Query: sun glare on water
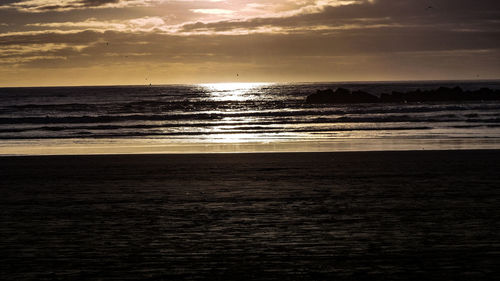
231	91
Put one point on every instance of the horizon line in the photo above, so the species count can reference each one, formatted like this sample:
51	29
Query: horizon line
256	82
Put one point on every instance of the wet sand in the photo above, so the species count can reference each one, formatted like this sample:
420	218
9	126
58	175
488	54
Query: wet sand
417	215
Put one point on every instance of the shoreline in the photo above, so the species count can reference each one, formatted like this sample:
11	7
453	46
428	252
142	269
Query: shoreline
159	146
188	154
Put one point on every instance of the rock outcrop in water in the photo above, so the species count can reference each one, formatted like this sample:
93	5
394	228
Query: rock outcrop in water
342	95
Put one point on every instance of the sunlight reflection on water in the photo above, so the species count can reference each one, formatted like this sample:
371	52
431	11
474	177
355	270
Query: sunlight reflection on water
232	91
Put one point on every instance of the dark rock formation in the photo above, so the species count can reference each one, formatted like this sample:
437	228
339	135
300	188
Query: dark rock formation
321	96
364	97
342	95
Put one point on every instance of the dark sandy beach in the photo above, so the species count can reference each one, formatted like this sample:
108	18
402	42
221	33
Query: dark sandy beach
421	215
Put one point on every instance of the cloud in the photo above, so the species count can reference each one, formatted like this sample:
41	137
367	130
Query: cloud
41	6
346	15
212	11
258	46
243	8
27	53
144	24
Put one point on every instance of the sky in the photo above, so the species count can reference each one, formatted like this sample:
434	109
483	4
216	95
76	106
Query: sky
112	42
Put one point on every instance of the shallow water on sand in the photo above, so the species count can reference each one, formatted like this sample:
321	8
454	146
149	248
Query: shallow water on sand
316	216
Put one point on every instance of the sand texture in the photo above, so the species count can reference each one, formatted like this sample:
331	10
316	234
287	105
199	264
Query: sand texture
432	215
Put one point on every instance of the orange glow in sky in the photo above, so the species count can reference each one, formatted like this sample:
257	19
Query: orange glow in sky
96	42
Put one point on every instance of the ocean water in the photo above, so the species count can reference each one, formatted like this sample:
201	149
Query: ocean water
248	115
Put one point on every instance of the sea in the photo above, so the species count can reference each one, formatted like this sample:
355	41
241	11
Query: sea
238	117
